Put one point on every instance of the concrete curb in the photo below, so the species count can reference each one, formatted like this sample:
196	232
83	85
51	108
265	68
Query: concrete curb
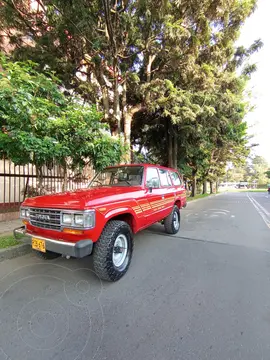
14	251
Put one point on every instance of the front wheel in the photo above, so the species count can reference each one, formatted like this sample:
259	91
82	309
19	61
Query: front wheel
172	222
113	251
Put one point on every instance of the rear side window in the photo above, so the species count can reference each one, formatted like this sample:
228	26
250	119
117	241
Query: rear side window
176	178
164	177
152	179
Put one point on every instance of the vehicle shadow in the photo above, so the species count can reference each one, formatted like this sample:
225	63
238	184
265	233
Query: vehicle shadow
83	269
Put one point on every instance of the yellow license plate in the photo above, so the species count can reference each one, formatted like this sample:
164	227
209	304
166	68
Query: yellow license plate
38	244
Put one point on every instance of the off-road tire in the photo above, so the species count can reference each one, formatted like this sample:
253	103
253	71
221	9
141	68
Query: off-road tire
104	247
48	255
169	221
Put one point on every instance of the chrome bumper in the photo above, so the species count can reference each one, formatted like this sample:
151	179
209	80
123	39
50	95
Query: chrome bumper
79	249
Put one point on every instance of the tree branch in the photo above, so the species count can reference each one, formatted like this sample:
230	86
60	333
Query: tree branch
109	24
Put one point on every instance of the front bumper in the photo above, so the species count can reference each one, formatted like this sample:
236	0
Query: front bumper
79	249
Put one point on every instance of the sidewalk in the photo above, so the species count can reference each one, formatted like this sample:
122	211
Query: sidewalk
7	227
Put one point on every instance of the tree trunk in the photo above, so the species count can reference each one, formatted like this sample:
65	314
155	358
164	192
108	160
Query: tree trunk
205	187
151	58
170	144
116	103
104	90
216	187
211	187
127	132
26	188
65	180
175	152
40	179
128	113
105	100
127	124
194	183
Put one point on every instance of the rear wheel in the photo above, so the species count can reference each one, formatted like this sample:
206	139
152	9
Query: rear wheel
113	251
48	255
172	222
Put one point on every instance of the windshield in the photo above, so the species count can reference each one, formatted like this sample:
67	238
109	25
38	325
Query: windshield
119	176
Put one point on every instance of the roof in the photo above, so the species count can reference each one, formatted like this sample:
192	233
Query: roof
144	165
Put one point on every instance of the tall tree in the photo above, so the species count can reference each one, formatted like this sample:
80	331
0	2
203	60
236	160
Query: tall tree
258	168
202	99
119	46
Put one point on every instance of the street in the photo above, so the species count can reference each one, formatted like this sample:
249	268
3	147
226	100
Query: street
201	294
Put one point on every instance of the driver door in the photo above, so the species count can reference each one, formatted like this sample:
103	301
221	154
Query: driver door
154	196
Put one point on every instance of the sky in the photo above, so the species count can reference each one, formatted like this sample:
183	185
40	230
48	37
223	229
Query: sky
257	27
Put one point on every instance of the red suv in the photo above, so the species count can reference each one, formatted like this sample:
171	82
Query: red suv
119	202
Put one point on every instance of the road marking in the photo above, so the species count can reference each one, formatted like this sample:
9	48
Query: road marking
221	212
261	207
261	210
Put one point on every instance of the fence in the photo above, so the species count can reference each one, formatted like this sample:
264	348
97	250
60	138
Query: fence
19	182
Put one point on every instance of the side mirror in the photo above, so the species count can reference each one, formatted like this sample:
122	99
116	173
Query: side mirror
150	189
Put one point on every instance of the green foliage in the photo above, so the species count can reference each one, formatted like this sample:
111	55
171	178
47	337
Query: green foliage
253	170
200	94
267	173
39	124
258	169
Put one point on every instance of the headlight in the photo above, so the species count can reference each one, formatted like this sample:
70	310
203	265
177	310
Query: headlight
25	213
83	220
67	219
79	219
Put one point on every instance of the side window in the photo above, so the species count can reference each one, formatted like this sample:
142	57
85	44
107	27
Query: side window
175	178
164	177
152	179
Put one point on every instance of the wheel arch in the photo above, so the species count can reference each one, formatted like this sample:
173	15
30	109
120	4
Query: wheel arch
126	216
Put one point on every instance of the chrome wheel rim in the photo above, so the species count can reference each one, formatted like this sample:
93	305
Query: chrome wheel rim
176	220
120	250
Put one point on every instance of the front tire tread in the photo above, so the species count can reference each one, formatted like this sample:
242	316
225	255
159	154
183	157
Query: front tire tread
103	248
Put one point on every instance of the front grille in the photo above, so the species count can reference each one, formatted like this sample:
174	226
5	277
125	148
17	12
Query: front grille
46	218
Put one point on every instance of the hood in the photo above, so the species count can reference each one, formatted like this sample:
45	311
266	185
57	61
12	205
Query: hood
83	198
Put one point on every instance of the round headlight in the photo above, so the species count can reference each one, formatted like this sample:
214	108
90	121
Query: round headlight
22	212
27	213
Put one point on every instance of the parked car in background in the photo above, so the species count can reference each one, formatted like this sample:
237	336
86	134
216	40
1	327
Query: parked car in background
243	185
102	219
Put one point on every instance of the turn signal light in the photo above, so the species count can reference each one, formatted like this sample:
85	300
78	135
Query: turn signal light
73	231
25	222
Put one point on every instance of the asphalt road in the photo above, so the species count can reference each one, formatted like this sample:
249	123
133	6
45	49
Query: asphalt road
202	294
